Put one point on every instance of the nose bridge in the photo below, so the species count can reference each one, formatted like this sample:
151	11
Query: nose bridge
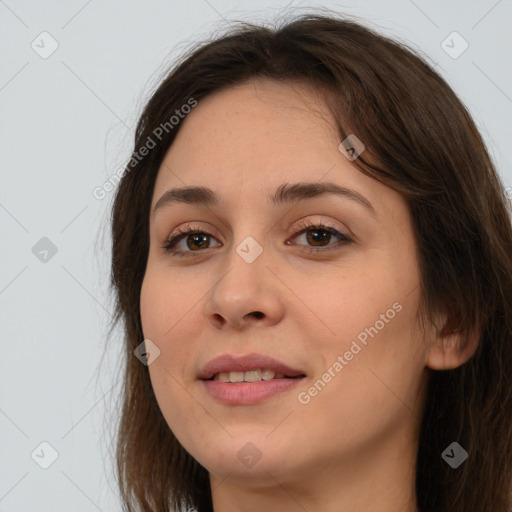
244	288
245	269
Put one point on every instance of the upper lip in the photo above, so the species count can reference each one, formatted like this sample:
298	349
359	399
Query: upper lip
229	363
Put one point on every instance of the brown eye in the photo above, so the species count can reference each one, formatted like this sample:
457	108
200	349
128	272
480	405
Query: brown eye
318	237
188	240
197	239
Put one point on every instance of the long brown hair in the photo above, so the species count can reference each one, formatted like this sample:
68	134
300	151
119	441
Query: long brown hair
421	141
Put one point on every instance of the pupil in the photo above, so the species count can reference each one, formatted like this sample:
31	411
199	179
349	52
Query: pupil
197	240
319	235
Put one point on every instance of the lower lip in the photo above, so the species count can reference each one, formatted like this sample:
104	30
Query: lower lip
247	393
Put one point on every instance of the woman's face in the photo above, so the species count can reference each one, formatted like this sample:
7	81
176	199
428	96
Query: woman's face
326	284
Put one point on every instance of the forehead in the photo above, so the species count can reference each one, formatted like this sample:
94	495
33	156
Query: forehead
246	141
255	133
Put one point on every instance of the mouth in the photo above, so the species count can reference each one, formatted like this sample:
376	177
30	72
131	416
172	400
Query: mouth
256	375
247	368
248	380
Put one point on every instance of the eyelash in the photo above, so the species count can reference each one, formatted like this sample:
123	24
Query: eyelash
169	245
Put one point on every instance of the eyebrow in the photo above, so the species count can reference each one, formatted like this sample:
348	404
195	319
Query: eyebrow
284	194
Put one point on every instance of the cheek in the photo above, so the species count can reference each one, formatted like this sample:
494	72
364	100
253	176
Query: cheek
377	358
167	319
156	304
369	319
348	301
167	312
167	305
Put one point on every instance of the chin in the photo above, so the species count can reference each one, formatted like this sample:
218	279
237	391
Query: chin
246	456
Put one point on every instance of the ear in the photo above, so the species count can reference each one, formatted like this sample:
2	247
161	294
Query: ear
450	348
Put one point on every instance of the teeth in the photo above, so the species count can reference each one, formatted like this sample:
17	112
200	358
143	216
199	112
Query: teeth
252	376
249	376
268	374
236	376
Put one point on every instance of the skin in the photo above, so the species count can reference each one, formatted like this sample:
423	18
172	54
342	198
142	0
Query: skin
352	447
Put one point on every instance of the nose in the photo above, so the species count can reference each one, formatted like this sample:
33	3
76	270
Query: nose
246	294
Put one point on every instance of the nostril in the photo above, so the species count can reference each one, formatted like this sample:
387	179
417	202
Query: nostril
257	314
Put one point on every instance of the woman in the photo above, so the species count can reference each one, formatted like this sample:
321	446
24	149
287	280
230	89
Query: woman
312	264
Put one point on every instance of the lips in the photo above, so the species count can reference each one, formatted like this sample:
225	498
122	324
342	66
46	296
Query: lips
227	364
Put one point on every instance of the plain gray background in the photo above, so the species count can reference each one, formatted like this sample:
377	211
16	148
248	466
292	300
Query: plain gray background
66	124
